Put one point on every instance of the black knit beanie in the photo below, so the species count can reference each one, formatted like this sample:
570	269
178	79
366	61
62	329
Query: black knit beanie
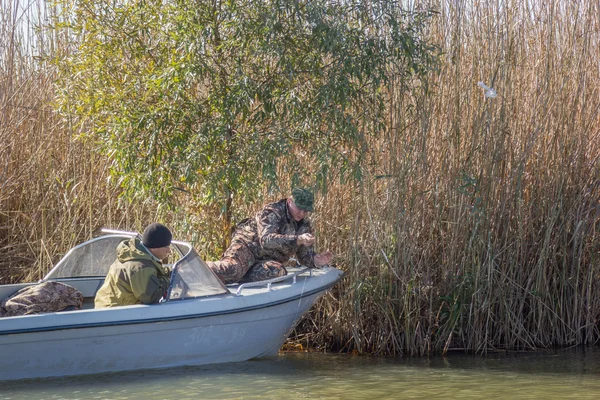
156	235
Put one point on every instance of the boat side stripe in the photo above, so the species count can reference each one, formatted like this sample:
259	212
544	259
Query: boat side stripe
168	318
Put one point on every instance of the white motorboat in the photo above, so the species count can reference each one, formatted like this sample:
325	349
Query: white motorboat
200	321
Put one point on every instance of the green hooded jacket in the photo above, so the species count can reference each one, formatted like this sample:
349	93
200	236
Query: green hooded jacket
136	277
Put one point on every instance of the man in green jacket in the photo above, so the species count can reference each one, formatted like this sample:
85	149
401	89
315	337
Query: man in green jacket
138	276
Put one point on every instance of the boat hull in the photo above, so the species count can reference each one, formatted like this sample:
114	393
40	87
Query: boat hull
191	341
249	323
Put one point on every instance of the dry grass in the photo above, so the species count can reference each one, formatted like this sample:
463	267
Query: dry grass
484	235
55	191
481	236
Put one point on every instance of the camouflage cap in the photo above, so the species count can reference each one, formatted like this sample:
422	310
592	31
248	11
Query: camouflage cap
303	198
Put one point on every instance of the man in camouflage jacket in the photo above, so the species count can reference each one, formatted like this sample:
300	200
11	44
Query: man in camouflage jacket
138	276
261	245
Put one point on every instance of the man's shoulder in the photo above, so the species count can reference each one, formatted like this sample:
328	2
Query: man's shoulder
137	264
280	205
278	208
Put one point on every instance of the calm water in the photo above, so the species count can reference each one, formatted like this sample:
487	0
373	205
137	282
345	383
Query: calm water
572	374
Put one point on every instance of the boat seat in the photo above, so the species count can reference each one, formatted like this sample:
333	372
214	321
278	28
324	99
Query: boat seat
88	303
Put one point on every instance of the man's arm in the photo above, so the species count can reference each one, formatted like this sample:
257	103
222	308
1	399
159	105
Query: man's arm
269	223
306	254
147	286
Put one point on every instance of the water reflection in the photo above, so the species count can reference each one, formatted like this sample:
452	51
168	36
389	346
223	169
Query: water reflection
542	375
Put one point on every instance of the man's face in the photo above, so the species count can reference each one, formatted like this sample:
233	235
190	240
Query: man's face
161	252
297	213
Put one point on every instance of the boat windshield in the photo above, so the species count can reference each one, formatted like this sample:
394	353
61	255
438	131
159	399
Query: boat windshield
192	278
89	259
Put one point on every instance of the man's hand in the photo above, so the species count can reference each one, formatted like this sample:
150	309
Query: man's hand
323	259
305	239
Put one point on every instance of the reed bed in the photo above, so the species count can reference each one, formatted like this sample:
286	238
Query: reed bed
476	229
482	236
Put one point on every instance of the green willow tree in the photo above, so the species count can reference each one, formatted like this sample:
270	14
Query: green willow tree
217	98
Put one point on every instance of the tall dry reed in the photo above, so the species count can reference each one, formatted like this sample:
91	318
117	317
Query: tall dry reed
483	234
55	191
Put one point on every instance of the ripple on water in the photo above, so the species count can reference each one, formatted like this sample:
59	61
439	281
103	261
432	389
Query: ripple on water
563	374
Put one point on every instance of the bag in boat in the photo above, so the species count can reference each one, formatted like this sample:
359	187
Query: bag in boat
42	298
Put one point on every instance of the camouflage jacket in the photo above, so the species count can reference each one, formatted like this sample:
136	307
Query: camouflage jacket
136	277
42	298
272	233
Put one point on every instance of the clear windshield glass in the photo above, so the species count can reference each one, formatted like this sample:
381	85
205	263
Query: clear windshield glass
192	278
92	258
